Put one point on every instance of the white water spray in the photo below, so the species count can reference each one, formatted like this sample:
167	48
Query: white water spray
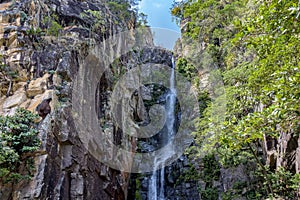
157	180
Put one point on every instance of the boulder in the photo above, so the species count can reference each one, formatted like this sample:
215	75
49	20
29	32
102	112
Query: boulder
25	104
18	86
15	100
39	98
37	86
35	102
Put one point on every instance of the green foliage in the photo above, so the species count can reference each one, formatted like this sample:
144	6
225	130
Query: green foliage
233	158
98	17
34	31
137	191
118	70
191	174
271	82
256	47
185	68
204	100
209	193
243	189
142	19
283	183
177	10
211	169
18	141
209	22
55	28
35	35
209	173
126	12
53	25
122	9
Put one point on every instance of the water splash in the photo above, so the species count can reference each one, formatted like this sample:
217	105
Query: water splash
157	180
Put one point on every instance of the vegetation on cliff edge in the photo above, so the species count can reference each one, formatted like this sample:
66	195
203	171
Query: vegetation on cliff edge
18	143
255	46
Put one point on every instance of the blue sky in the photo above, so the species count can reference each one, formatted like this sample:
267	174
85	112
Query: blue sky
166	32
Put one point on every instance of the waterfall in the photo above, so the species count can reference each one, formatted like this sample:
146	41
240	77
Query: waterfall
157	180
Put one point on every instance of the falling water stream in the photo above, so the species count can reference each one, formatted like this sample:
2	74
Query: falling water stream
157	179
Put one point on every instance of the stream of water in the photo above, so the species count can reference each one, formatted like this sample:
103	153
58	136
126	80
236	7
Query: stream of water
157	180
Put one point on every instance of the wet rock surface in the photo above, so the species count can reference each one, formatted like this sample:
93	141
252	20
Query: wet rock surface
176	188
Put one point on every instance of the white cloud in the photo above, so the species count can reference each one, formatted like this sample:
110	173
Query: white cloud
157	5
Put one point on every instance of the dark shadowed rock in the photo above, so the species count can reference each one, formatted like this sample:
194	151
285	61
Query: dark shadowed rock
43	109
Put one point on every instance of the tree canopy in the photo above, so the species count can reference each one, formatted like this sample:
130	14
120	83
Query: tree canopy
256	47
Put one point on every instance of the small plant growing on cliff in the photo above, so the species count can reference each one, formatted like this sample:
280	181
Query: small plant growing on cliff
98	20
18	143
54	27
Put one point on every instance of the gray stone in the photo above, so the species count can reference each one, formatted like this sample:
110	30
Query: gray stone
77	186
15	100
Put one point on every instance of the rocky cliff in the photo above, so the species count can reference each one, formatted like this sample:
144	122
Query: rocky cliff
43	45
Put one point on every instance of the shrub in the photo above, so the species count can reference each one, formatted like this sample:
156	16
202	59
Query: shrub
18	143
54	28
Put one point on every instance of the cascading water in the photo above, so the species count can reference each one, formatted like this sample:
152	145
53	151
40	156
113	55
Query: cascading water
157	180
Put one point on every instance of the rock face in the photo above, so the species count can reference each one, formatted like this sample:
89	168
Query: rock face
15	100
37	86
43	44
65	170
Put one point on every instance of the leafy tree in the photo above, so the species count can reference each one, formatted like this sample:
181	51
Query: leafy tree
256	45
126	11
